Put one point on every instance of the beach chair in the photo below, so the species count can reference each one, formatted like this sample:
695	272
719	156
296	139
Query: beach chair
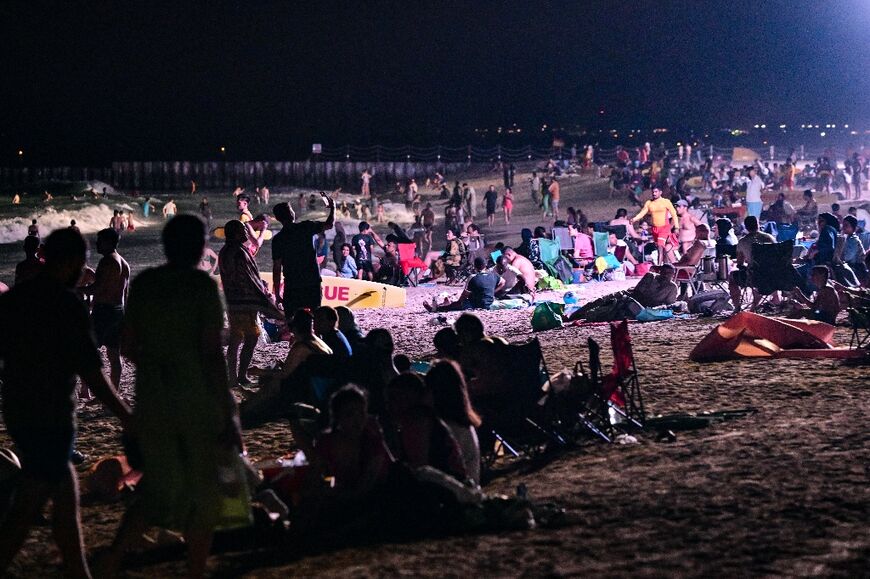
550	254
771	270
859	319
411	264
516	422
786	232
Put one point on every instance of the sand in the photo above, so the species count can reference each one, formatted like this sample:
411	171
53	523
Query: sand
783	491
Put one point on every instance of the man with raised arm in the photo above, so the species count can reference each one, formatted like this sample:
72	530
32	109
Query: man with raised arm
294	259
664	219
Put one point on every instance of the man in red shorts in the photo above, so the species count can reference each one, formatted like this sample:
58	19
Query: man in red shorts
664	220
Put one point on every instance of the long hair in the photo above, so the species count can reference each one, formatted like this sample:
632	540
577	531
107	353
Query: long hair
450	394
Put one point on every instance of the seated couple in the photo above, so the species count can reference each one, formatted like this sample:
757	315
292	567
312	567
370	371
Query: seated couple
482	288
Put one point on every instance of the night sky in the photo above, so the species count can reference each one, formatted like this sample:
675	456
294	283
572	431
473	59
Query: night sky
266	79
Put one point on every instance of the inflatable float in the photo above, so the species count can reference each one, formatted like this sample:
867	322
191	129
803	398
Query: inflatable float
356	294
748	335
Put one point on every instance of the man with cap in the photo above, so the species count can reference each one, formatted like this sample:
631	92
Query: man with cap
688	223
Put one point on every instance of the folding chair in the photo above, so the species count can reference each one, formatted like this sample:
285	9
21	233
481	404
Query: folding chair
771	270
786	232
516	422
550	252
859	319
411	264
625	374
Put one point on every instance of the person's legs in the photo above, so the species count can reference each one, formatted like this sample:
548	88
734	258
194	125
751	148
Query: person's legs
29	498
245	357
198	549
114	355
235	341
133	525
67	525
734	290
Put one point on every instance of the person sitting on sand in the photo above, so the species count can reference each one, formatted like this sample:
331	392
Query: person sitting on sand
826	304
347	325
347	265
526	269
446	344
109	290
326	326
246	296
352	450
32	264
372	366
452	405
305	343
480	352
479	291
509	276
418	437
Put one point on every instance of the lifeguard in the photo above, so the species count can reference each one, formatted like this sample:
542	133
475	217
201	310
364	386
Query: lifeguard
664	219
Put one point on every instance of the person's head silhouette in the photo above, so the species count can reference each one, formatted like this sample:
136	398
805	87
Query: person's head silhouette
65	253
184	240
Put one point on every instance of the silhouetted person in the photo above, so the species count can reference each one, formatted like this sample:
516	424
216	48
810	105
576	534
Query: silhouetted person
32	264
294	259
187	425
45	342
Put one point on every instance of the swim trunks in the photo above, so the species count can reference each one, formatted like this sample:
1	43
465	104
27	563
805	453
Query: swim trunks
107	320
661	233
243	324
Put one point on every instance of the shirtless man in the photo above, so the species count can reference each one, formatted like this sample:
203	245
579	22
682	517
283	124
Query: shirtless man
664	219
826	305
525	267
688	223
32	264
109	290
169	209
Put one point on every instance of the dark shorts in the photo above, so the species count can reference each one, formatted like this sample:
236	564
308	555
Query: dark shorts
107	320
490	210
44	452
301	297
365	266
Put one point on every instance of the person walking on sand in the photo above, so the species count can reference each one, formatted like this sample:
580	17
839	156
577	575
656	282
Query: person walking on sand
507	203
51	344
490	198
187	426
664	219
555	193
109	290
169	209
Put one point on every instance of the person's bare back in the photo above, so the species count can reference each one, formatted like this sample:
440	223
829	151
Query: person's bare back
112	280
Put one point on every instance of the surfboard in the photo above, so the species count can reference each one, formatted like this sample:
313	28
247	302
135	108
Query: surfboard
355	294
218	232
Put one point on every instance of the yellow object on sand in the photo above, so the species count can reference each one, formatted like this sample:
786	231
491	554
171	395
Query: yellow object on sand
355	294
218	232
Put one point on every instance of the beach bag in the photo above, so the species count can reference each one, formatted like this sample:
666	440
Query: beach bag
549	282
547	316
709	302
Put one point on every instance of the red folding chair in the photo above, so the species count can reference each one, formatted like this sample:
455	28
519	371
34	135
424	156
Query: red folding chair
623	382
410	263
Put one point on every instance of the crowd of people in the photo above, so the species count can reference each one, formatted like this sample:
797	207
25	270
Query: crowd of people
381	420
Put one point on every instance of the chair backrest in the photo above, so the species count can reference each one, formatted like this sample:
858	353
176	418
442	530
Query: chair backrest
771	268
549	250
723	249
786	231
600	239
407	251
623	355
620	230
561	235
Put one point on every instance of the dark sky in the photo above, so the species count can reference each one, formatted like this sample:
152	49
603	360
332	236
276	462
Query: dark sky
154	80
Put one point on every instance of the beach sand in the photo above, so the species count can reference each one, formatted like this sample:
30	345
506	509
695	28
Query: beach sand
783	491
